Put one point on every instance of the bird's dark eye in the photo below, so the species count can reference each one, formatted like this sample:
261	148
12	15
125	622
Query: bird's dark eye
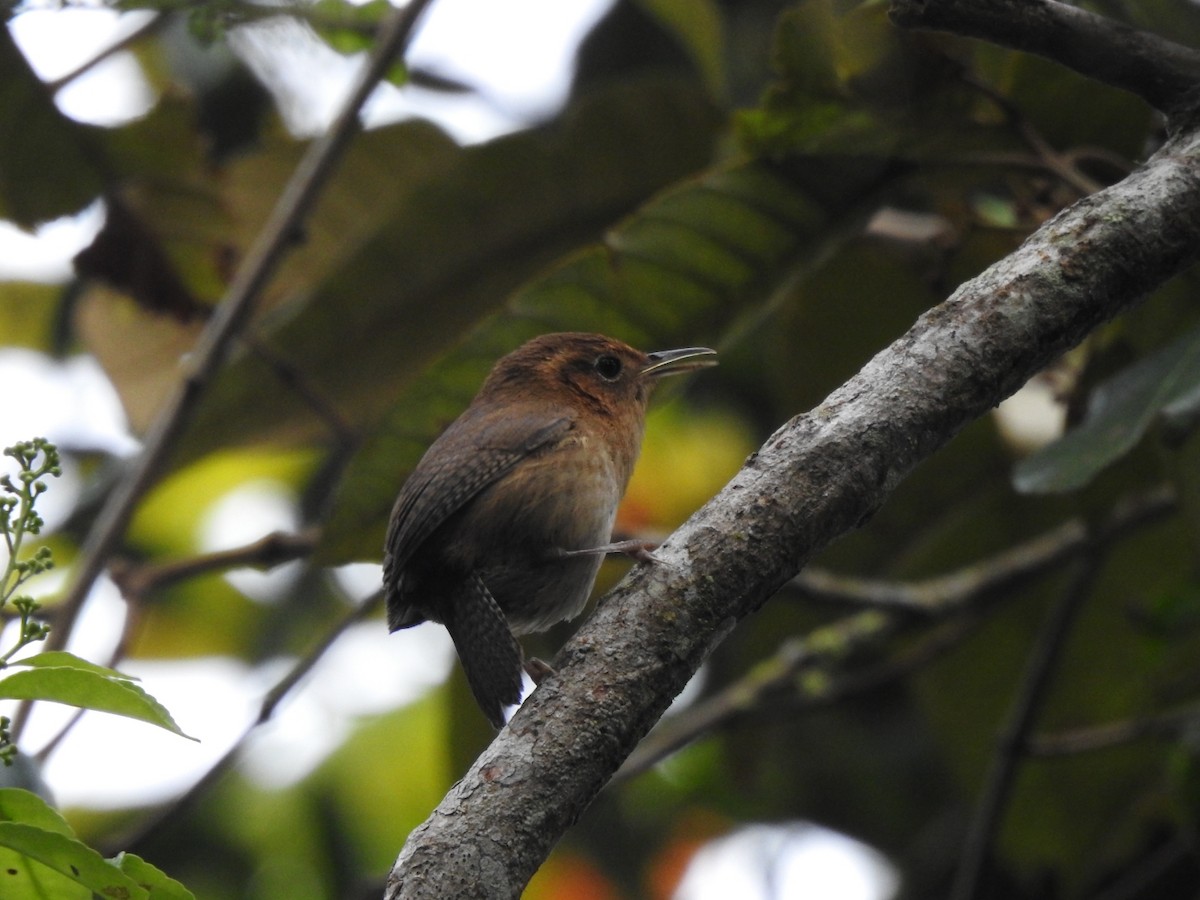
609	367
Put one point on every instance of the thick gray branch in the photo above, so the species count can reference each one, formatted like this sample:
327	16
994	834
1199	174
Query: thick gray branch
1162	73
821	475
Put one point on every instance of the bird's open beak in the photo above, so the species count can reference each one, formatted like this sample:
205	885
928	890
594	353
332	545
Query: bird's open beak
674	362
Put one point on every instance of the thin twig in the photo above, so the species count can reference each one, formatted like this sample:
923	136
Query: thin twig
755	689
294	380
266	710
760	691
1113	160
963	591
148	27
1160	71
1060	164
213	345
946	593
1010	749
1113	734
1142	876
276	548
135	582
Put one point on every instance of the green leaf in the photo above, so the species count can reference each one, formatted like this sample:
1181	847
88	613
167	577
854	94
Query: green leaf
346	27
1119	413
850	83
63	659
464	230
75	869
193	226
697	261
19	805
40	858
42	836
45	171
160	885
415	240
697	24
88	690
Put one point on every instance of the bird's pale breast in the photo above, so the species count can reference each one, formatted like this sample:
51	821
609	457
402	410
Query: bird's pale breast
565	499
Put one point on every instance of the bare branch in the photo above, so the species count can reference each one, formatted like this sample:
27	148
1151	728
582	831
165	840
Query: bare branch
1114	734
1059	164
948	594
136	581
792	669
822	474
266	710
151	25
291	377
276	548
1161	72
965	592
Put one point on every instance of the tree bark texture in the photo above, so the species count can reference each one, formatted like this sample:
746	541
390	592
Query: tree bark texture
1165	74
819	476
822	474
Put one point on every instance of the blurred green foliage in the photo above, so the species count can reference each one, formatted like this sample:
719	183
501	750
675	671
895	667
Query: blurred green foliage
682	196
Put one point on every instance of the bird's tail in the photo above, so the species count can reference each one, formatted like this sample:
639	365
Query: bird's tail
490	655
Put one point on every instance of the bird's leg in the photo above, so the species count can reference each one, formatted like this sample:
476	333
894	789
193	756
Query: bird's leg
537	669
639	550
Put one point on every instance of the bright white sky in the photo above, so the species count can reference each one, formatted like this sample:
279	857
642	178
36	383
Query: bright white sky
520	54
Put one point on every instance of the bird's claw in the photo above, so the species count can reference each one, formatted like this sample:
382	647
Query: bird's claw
537	669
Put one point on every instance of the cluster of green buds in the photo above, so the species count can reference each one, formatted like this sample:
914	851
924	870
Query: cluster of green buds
19	519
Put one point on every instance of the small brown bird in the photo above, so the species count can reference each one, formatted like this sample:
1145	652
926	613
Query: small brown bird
502	526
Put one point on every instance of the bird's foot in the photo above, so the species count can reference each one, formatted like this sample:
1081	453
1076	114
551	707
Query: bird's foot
537	669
